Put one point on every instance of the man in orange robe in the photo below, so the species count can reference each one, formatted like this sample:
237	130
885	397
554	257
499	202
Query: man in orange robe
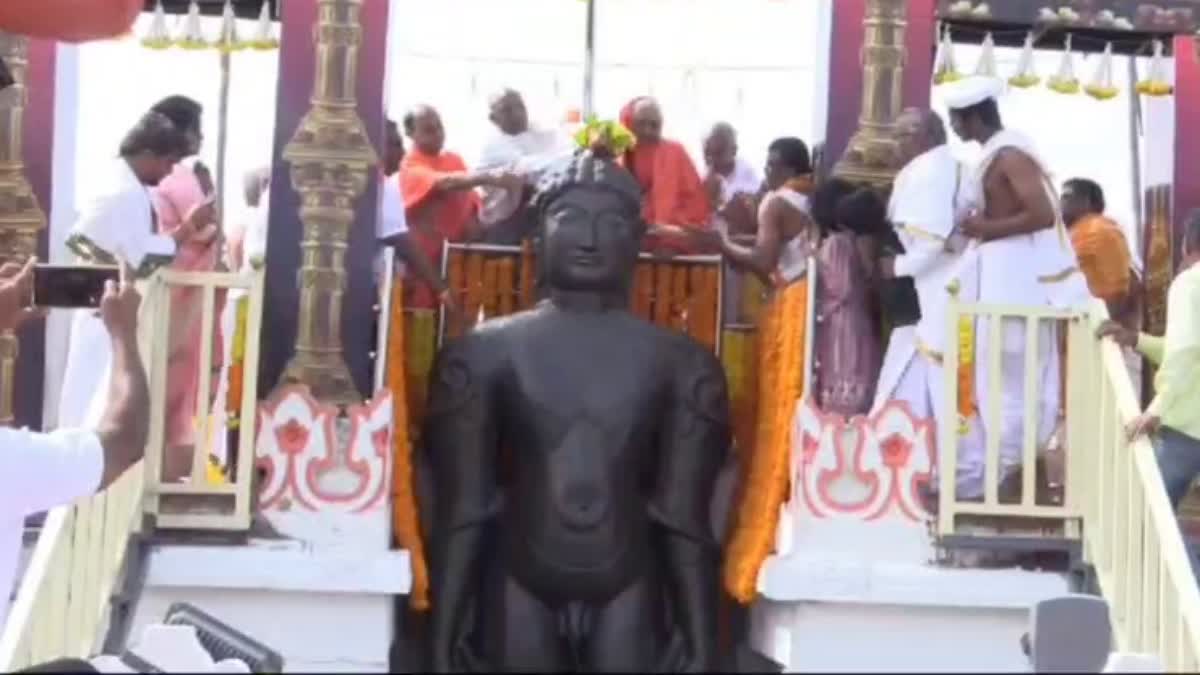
69	20
440	202
674	193
1099	244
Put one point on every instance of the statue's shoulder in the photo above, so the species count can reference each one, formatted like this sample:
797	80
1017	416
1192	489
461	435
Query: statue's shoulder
685	354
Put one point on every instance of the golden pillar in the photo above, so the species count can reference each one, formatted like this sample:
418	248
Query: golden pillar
21	218
330	158
871	155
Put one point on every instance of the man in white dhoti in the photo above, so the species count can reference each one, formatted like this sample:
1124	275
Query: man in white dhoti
521	150
1023	257
117	225
921	209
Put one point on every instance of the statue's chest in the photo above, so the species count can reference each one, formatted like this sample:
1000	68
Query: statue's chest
605	381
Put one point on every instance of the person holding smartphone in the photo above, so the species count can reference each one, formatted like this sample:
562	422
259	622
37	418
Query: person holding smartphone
39	471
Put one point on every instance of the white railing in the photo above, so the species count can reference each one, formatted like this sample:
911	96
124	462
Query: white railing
992	319
62	600
1114	501
62	603
202	503
1131	536
61	606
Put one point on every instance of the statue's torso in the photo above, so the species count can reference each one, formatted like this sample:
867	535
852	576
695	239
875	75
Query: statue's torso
581	397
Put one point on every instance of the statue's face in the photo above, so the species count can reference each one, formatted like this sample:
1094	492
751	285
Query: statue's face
591	241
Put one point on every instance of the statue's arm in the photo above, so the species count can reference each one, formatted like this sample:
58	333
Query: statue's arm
696	438
461	437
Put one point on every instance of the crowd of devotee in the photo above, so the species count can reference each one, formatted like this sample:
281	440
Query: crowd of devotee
999	231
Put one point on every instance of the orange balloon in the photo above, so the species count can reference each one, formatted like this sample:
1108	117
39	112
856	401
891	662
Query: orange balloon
69	20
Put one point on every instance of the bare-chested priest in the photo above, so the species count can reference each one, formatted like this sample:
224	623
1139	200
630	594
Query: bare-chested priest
1023	257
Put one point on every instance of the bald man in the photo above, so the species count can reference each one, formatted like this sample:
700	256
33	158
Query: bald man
674	194
440	202
728	174
520	149
922	209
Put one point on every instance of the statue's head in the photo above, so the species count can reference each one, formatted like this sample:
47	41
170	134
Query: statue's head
590	211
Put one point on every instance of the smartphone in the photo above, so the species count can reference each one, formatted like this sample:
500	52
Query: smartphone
71	286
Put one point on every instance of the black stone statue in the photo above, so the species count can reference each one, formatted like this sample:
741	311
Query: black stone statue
574	450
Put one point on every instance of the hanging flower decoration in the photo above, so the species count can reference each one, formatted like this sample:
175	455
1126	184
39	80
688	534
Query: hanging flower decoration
1156	83
605	137
264	34
193	34
987	58
229	41
1026	76
1101	87
158	37
944	69
1064	81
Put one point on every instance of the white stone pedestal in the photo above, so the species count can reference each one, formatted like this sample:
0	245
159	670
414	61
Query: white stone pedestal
324	595
852	587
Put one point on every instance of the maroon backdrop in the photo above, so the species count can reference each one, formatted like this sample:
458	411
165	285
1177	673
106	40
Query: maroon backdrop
1187	144
39	158
845	68
296	61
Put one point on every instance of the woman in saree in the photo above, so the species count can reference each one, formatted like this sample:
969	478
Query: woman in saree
847	341
779	257
184	209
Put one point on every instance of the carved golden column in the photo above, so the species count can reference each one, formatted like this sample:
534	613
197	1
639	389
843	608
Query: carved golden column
330	157
871	155
21	218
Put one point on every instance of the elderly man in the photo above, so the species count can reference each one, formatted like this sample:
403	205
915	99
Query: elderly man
729	175
1023	258
520	149
674	195
922	211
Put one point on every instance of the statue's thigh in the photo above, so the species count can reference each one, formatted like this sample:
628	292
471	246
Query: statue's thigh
628	634
519	632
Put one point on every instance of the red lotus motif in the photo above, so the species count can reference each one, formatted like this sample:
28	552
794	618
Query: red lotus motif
896	451
292	437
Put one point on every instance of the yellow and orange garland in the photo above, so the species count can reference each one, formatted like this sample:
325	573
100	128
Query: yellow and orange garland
765	461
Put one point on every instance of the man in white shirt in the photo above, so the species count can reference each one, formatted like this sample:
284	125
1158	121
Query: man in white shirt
118	225
518	149
728	174
39	471
730	177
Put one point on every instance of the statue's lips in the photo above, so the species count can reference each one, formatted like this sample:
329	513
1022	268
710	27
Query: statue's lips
586	260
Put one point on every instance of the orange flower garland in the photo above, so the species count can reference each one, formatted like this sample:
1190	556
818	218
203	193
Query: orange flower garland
967	407
528	275
406	525
237	365
643	291
764	488
505	281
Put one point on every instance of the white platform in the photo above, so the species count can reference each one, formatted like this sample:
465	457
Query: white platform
822	615
324	610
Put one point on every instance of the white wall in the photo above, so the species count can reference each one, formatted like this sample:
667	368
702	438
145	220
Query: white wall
753	63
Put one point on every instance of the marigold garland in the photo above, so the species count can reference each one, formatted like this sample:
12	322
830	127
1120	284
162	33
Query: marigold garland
457	278
643	291
661	307
764	488
406	524
966	372
680	300
237	365
474	287
528	275
505	283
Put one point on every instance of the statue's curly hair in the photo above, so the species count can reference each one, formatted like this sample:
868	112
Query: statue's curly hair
587	170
